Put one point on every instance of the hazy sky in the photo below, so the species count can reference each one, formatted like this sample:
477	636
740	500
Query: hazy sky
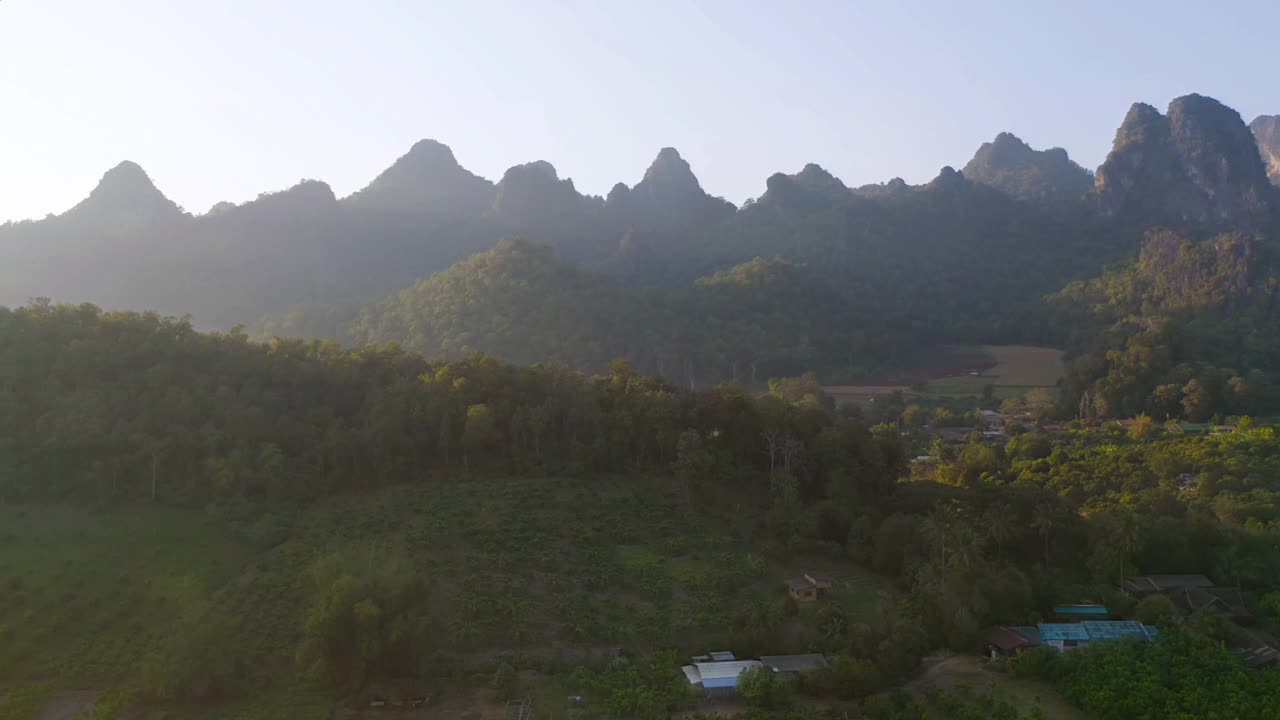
224	100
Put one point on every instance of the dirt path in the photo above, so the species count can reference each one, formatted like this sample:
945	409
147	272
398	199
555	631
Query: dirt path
69	705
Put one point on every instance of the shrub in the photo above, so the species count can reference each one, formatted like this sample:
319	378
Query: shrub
1157	610
1042	663
763	688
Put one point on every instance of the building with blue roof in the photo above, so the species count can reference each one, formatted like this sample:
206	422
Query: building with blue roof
1011	640
1069	635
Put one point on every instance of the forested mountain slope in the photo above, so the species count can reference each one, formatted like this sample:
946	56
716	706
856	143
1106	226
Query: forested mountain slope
758	320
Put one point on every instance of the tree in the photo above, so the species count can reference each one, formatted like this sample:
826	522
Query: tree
694	463
1142	428
914	416
506	682
763	688
1156	610
1040	403
364	617
1044	523
1196	401
479	433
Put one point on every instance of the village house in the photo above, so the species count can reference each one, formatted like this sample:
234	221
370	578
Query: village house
716	674
718	678
1007	641
1145	585
1190	593
810	587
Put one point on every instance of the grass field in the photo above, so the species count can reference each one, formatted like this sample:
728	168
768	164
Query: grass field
968	670
548	573
1015	369
965	370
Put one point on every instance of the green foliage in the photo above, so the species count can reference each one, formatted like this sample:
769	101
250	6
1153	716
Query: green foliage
763	688
649	688
1183	331
196	663
1156	610
846	678
1167	678
760	319
137	406
364	619
506	682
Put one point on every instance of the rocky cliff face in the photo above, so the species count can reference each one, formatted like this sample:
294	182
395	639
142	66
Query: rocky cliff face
125	196
813	188
1196	166
668	196
1266	129
534	193
1041	176
427	179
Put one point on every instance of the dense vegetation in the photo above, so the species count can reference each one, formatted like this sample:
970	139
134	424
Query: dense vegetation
1188	329
1182	675
488	496
760	319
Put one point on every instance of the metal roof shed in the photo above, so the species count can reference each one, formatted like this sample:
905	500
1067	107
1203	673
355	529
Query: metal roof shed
1085	612
718	674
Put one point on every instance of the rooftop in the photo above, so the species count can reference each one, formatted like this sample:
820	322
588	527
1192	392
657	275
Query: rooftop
1092	630
1086	610
1010	640
800	583
1160	583
718	674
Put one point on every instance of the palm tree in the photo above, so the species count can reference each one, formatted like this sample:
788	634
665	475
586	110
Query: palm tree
999	522
1128	537
1044	523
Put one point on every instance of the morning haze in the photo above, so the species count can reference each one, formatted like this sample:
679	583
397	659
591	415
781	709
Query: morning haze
687	361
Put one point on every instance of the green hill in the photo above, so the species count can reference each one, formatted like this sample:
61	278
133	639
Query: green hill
759	319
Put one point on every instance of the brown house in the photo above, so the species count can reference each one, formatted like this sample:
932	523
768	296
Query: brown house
1007	642
810	587
1190	593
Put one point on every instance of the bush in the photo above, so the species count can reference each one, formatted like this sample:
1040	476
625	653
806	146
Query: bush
763	688
1041	663
1157	610
846	678
506	682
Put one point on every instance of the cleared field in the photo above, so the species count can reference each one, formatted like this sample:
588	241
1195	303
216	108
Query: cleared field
961	670
1014	370
965	370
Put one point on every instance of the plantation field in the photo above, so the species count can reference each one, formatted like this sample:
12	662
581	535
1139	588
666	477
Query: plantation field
546	573
84	595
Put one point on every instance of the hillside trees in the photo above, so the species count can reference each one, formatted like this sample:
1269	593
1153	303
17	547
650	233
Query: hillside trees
136	406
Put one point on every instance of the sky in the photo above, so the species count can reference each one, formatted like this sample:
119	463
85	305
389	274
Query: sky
225	100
